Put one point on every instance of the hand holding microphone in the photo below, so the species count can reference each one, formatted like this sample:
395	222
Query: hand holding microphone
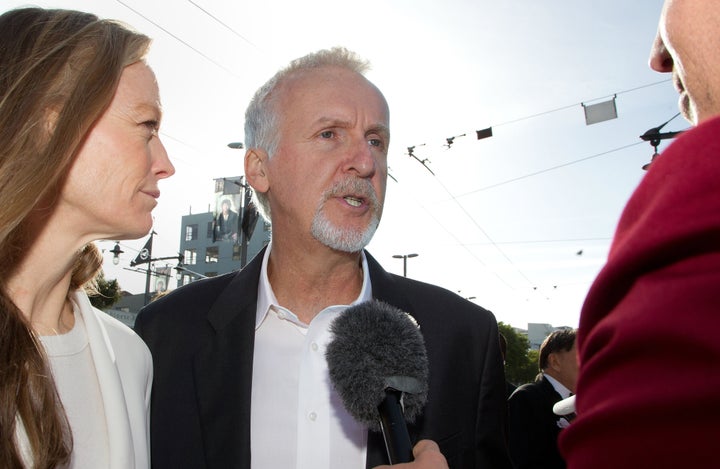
427	456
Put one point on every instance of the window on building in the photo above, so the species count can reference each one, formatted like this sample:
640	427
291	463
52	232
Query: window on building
210	230
183	280
191	232
267	226
236	252
212	254
190	257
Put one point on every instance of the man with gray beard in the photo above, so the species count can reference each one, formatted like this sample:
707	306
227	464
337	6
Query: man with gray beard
241	378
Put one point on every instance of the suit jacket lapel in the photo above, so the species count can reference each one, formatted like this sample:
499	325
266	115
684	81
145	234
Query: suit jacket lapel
223	371
384	288
550	392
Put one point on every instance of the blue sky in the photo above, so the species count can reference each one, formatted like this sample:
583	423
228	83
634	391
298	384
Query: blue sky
503	218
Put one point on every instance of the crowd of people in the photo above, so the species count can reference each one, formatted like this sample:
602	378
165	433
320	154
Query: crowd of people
231	371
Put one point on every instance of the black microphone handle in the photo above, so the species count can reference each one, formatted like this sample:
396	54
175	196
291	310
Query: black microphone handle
394	428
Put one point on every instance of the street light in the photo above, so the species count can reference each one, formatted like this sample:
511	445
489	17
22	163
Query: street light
404	257
182	270
466	297
246	198
116	251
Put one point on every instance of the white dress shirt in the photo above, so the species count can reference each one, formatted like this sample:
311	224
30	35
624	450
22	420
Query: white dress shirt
559	388
297	418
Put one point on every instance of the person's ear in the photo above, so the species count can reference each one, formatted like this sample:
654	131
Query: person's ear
554	362
256	169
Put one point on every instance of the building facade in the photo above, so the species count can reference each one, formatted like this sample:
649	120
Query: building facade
211	243
224	239
537	332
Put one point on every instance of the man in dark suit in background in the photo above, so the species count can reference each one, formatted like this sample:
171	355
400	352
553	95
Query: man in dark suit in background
534	428
241	379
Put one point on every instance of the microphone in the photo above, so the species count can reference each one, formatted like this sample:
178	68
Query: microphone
565	406
378	365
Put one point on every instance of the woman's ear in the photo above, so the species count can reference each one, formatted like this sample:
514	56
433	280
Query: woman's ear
255	169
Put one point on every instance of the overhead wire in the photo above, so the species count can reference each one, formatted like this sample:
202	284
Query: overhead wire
205	56
547	241
570	106
222	24
546	170
472	219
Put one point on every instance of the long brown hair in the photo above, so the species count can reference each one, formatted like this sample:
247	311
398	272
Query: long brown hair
59	70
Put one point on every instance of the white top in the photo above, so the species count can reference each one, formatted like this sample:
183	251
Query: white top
74	373
123	370
297	419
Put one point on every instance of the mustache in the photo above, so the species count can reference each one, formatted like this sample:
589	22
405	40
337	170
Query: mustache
355	187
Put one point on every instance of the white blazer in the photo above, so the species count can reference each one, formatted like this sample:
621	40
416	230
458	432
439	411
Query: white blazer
124	370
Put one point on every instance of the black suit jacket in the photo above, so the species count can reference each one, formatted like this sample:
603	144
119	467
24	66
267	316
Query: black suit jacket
202	336
534	427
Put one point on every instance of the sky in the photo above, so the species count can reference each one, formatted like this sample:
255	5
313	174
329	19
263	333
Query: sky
521	222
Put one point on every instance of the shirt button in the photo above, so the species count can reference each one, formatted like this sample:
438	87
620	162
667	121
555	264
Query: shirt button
314	346
312	416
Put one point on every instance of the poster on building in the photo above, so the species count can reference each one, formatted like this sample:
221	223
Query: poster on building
162	278
226	220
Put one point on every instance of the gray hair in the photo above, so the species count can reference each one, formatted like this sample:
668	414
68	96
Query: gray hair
261	116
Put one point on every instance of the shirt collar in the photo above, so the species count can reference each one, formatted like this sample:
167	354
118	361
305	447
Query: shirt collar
559	388
266	296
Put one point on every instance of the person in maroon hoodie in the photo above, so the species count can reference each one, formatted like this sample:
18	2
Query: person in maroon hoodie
648	393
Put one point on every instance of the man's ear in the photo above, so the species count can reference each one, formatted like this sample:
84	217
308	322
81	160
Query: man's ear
553	362
255	169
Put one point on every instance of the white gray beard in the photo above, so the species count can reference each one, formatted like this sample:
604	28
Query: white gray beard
345	240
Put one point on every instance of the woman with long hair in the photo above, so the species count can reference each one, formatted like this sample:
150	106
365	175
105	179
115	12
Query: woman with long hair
80	160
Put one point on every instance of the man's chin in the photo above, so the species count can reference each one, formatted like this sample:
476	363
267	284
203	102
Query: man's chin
349	244
343	240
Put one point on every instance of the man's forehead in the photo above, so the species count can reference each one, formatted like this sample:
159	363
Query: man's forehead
331	103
